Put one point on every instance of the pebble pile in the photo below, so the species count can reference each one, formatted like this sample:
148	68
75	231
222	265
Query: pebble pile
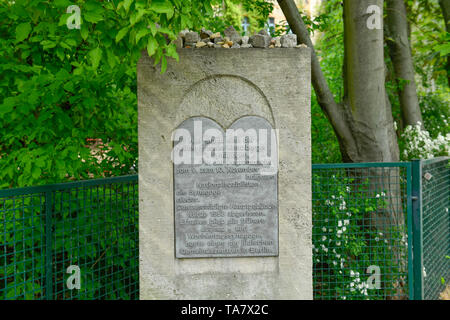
232	39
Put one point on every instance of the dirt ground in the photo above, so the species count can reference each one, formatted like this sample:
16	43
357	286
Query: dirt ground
445	295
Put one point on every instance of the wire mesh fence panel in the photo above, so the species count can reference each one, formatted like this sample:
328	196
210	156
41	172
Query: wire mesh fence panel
79	241
362	233
360	246
22	246
436	227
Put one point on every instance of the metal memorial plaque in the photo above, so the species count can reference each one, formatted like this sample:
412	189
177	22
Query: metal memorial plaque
225	188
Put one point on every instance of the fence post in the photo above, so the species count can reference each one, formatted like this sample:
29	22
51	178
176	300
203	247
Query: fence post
417	229
48	245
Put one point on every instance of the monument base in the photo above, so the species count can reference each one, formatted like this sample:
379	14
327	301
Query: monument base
226	85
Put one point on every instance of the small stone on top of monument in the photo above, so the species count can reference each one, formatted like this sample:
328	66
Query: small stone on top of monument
200	44
205	34
231	33
179	42
244	40
259	41
289	40
277	42
217	40
215	35
264	33
183	33
191	37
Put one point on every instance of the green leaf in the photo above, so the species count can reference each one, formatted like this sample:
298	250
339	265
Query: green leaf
162	6
127	4
7	106
111	59
40	162
152	44
84	32
172	52
47	44
163	64
95	55
36	172
153	29
62	3
444	49
22	31
62	75
141	33
121	34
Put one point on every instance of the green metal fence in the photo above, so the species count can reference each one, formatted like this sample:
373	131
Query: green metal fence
376	228
91	225
361	237
432	228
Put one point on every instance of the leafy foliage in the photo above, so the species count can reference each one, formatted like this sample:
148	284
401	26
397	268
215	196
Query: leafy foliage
61	88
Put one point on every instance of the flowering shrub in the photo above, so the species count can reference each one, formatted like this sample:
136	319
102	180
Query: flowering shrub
346	241
420	145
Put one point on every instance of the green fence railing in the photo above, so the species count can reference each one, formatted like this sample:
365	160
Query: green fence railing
361	233
91	225
380	231
432	228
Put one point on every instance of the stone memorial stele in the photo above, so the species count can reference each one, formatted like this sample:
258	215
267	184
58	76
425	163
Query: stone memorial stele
225	207
225	175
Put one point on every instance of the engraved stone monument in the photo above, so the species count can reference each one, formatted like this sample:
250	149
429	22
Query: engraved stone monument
225	175
226	208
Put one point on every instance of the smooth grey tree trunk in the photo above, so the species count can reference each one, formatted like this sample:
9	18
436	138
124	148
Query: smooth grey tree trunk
363	121
400	52
370	114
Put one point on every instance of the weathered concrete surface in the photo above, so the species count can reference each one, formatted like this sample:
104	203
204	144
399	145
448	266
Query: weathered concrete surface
225	85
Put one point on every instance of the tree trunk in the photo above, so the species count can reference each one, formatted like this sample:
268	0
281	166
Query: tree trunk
445	6
333	111
400	52
364	83
363	121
